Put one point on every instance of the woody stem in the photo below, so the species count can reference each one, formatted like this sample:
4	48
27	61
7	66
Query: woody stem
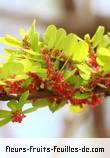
37	95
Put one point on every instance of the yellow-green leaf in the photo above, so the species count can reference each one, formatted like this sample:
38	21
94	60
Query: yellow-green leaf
96	39
50	36
76	108
80	51
84	71
5	121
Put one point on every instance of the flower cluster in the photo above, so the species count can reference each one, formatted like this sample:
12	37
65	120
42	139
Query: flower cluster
14	87
92	62
60	86
56	79
17	117
57	69
35	83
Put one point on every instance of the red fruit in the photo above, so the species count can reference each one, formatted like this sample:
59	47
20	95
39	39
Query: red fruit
18	117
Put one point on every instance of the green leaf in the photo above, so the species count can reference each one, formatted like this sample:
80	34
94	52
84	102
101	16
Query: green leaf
13	105
32	29
50	36
68	74
9	51
30	110
41	103
13	54
84	71
56	64
34	42
105	42
18	77
33	36
80	51
22	33
27	64
96	39
68	45
103	56
31	52
76	108
75	81
78	38
4	113
11	41
103	59
79	95
23	98
42	73
36	67
10	68
26	82
5	121
60	36
54	106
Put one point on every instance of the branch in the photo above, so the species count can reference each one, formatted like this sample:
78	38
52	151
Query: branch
37	95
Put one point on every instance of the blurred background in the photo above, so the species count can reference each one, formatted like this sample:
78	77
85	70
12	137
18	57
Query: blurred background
81	17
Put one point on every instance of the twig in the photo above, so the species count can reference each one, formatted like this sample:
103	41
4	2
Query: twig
37	95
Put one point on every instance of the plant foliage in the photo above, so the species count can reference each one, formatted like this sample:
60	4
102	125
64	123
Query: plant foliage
53	71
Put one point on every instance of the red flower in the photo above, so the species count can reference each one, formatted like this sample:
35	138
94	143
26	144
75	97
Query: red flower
48	63
15	87
18	117
106	80
63	89
36	82
57	77
92	61
75	101
95	101
96	80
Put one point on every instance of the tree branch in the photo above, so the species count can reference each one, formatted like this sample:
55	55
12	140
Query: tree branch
37	95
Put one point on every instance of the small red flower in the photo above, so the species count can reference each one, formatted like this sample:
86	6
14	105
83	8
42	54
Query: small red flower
75	101
48	63
95	81
63	89
36	82
15	87
95	101
107	81
92	61
18	117
57	77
